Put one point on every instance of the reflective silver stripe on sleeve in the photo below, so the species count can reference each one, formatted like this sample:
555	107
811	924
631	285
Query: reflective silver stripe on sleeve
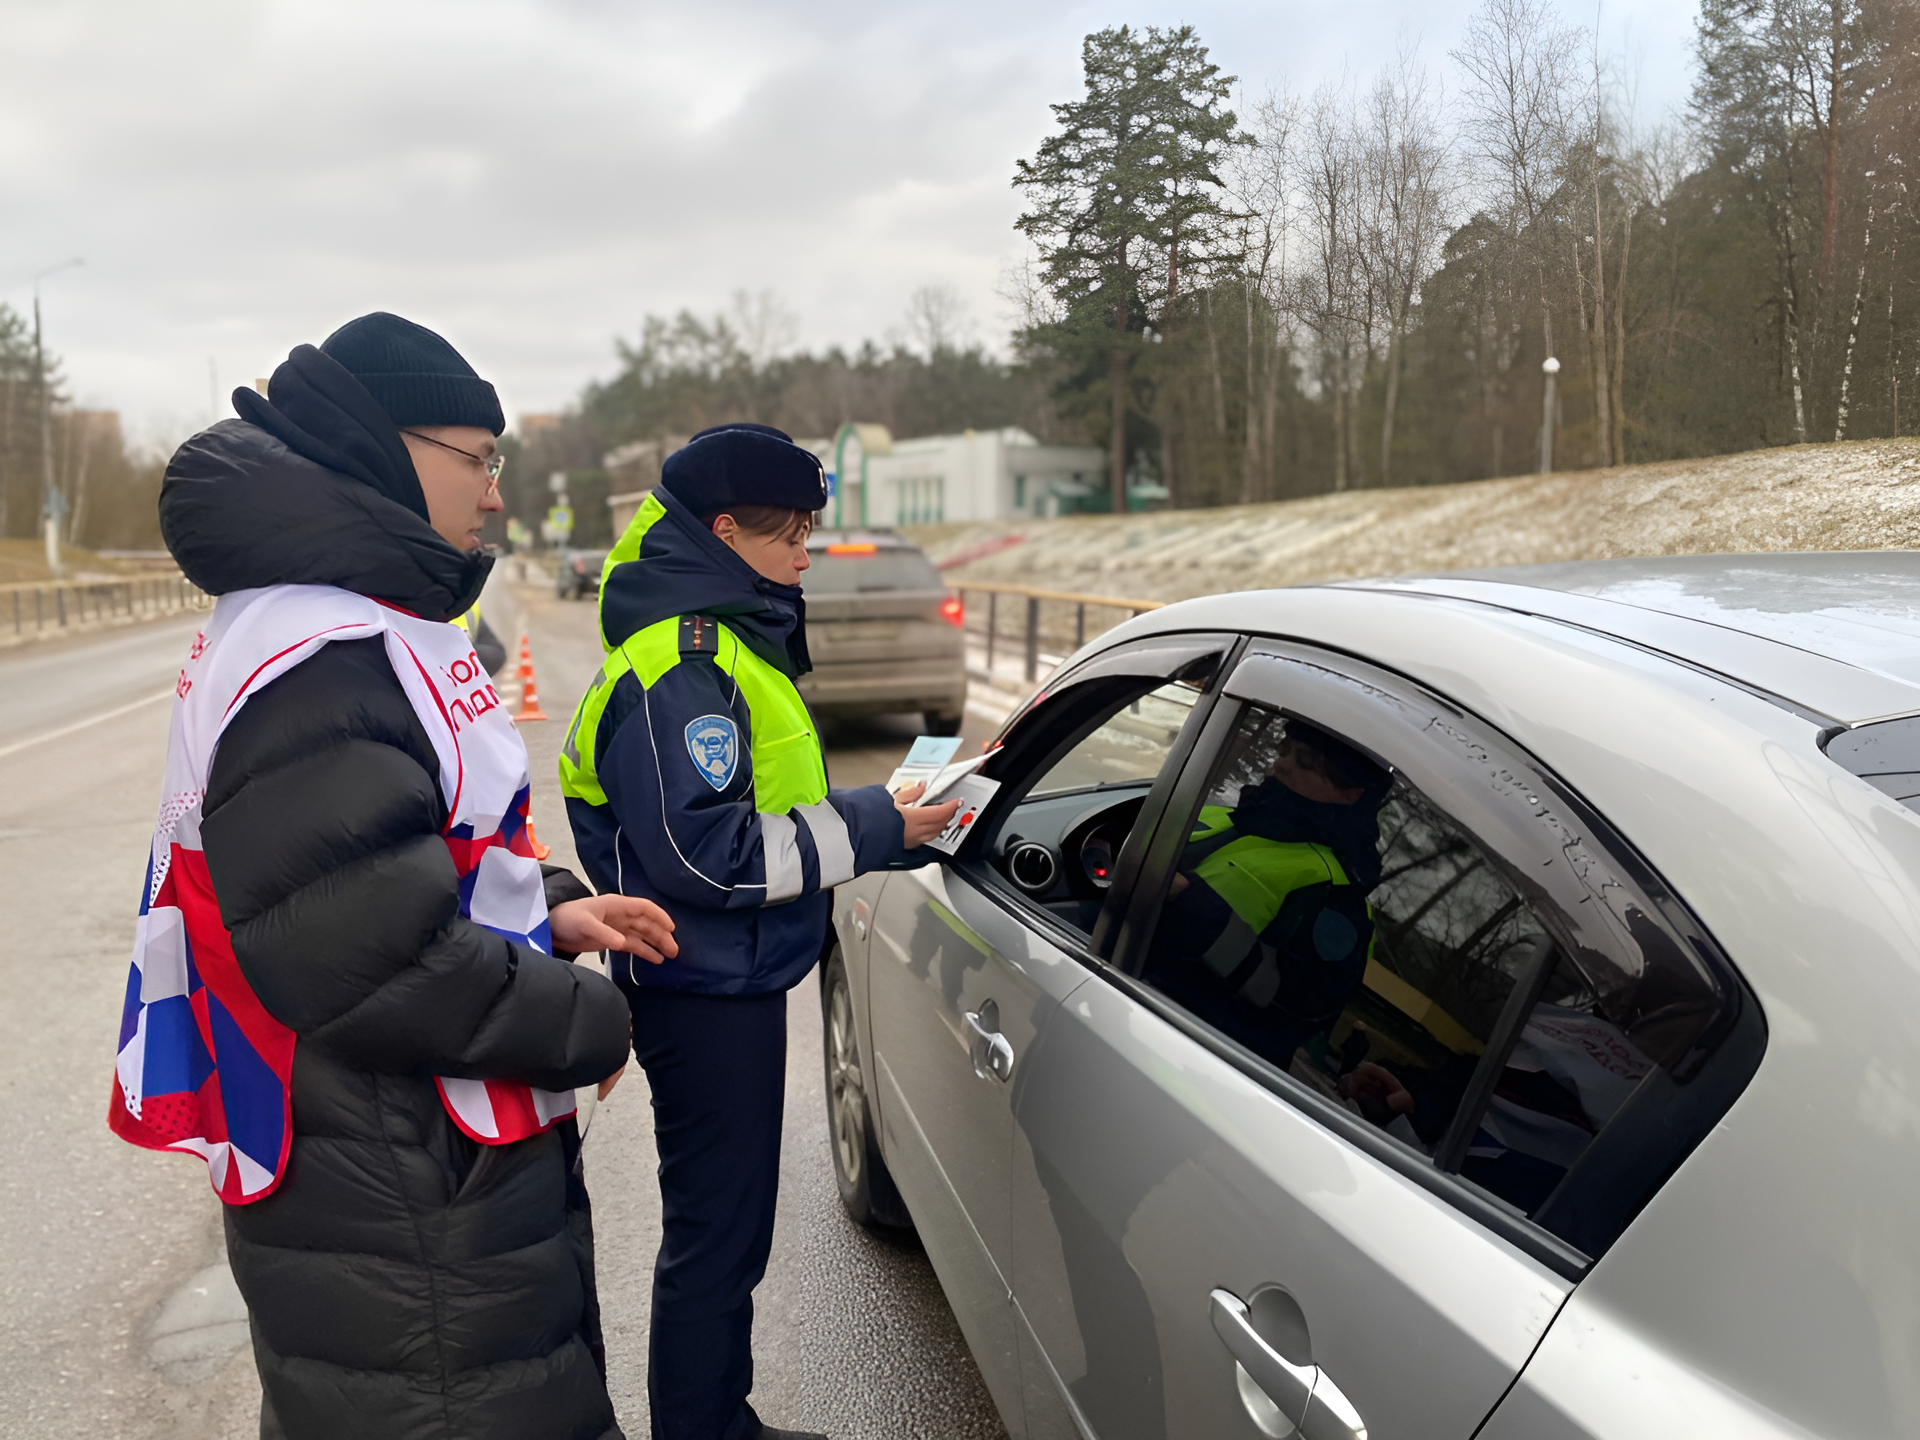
780	841
1223	957
830	841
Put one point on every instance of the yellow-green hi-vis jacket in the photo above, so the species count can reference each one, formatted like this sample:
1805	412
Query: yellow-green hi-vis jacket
694	775
1299	931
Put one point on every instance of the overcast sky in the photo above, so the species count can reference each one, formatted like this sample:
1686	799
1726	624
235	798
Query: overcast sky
532	177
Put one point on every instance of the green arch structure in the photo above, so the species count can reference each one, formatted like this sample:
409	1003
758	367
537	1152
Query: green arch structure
874	440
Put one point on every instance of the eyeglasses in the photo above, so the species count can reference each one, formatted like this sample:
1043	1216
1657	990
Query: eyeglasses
492	464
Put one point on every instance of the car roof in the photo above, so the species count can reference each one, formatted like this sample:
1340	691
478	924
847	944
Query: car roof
1833	636
1837	633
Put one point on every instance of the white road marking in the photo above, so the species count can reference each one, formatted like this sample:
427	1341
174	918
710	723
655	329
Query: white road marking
91	720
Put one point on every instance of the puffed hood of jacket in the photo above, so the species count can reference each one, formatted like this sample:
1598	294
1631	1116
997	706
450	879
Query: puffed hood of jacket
240	509
668	564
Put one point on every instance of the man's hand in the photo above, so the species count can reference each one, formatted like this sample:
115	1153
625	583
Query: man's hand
1377	1091
613	922
922	822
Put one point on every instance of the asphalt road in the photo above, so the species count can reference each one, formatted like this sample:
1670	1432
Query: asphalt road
117	1316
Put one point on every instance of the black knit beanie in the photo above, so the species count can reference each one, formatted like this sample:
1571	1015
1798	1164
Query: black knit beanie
413	374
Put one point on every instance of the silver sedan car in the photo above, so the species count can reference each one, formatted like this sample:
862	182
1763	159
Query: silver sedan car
1483	1005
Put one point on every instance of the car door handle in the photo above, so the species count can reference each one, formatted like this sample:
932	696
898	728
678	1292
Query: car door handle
1288	1386
1330	1415
1302	1393
992	1054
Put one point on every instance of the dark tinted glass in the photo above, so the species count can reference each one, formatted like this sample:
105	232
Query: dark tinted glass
1330	916
884	569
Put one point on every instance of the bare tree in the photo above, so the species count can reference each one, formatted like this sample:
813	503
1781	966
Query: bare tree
80	434
1589	152
1521	76
936	319
1406	173
1260	180
1334	296
766	327
1030	302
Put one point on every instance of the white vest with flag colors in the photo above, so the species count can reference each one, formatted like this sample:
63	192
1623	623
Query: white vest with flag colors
203	1068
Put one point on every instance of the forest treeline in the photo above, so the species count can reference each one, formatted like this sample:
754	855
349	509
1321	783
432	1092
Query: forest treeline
1357	286
109	493
685	373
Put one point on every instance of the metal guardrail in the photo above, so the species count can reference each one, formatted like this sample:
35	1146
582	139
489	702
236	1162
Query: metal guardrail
1037	600
36	606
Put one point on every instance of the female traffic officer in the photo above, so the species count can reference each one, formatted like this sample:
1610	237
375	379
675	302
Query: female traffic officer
695	778
346	996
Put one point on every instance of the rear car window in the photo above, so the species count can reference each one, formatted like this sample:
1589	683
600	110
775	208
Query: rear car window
852	571
1520	1014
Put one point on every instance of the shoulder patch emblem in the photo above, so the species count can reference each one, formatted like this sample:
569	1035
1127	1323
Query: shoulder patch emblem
714	743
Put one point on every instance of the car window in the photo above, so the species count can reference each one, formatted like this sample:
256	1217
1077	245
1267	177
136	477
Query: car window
851	569
1094	753
1328	915
1131	745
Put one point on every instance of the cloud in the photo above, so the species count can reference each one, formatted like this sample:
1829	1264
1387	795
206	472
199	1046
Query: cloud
532	177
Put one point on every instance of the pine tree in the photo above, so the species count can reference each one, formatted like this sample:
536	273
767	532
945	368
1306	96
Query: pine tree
1124	197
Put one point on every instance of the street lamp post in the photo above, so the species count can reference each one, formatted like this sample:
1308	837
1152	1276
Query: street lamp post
1550	368
52	502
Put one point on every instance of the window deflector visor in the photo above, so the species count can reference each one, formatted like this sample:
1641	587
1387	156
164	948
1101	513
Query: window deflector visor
1156	656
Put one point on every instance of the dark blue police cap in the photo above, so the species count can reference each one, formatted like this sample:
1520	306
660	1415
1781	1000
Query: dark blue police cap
744	464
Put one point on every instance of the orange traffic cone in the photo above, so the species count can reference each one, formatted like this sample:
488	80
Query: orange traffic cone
529	695
540	852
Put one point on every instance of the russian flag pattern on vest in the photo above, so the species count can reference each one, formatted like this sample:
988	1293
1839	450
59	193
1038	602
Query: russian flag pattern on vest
202	1068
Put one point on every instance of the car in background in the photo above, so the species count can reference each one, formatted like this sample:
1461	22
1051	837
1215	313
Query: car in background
1569	1089
576	573
884	632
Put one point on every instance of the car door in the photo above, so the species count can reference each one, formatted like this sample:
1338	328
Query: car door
1244	1205
961	978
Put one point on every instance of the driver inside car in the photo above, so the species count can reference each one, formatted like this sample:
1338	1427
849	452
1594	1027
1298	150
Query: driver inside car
1266	930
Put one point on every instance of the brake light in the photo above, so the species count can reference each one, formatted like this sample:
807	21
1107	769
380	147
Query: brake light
853	549
953	611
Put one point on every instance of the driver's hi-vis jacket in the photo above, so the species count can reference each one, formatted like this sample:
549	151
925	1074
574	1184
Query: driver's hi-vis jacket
1299	932
694	778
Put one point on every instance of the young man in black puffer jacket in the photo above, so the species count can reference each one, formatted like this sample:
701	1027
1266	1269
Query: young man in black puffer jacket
404	1278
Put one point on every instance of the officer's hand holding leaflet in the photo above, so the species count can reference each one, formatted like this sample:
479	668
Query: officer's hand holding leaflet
922	822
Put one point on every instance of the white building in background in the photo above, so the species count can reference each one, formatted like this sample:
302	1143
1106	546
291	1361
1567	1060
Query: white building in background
976	475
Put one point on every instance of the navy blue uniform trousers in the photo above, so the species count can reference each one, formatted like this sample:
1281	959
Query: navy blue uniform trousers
717	1067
